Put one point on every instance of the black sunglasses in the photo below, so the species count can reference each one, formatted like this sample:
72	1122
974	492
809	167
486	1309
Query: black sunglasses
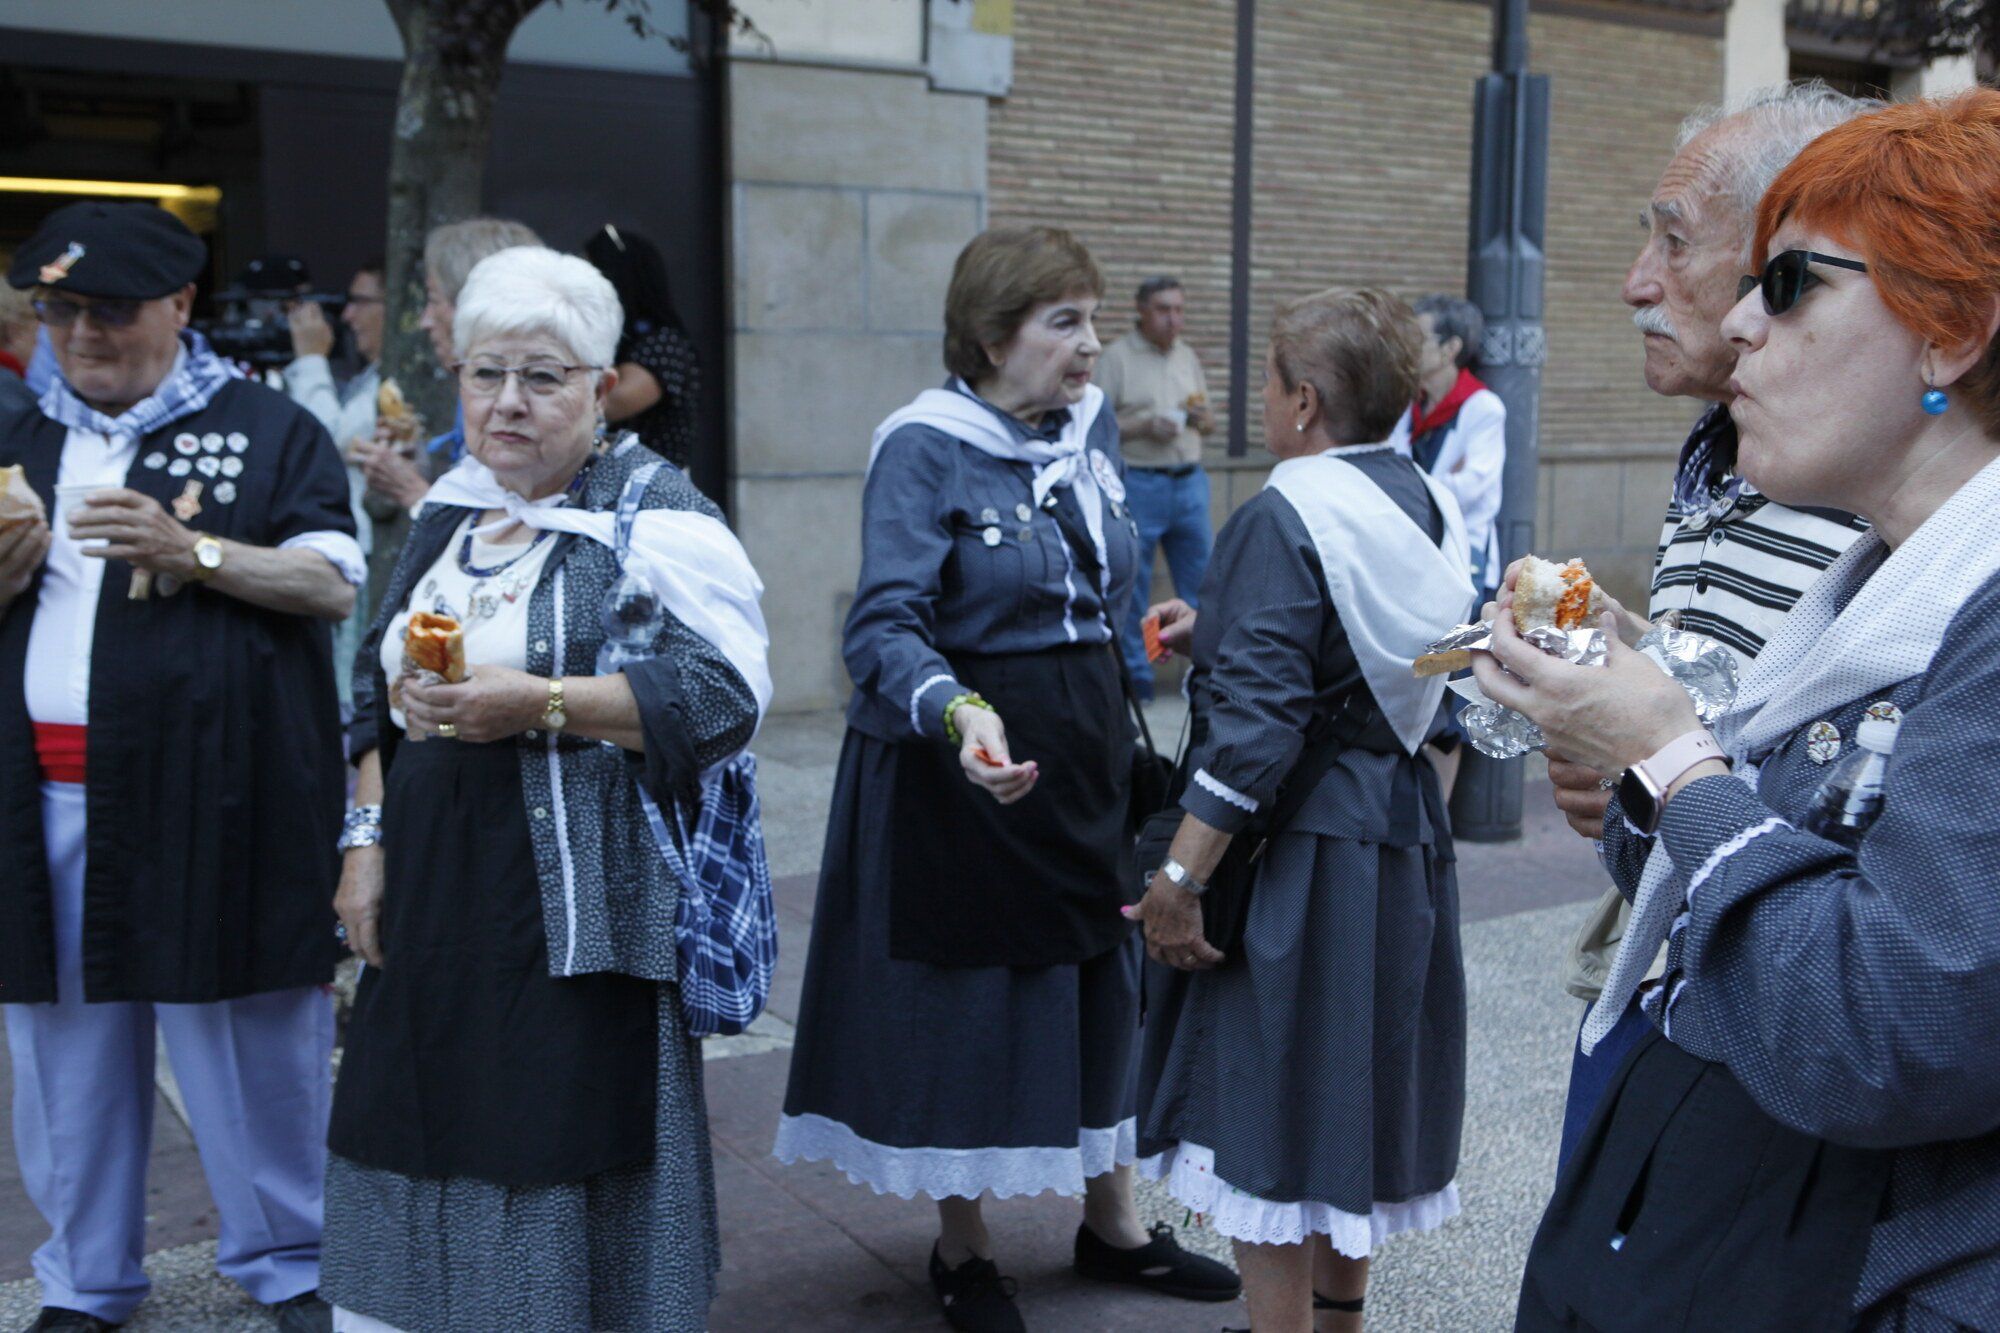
59	313
1784	277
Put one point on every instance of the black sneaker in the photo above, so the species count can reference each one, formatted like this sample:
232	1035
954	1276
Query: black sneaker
55	1319
975	1297
1159	1265
304	1313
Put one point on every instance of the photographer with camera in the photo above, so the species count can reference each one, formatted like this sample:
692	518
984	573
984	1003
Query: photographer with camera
348	413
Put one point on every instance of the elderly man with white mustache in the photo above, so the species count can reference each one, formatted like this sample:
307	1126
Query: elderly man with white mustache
1731	562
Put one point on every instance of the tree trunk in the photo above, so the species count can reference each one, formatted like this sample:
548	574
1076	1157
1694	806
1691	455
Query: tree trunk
454	51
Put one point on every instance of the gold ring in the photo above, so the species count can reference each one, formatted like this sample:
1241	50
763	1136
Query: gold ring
448	730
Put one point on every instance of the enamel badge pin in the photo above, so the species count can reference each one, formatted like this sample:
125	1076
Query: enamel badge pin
58	268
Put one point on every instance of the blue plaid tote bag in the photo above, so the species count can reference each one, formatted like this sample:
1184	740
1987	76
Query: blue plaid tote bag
726	926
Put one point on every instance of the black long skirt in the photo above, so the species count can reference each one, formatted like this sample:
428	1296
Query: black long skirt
973	883
464	1057
1686	1208
948	1081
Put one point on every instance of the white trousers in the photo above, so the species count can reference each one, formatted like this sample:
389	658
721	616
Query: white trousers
255	1074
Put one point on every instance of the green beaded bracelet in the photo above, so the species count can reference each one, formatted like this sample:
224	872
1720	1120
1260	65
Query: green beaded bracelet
951	708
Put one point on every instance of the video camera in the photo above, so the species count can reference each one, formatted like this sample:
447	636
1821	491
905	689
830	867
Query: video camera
250	323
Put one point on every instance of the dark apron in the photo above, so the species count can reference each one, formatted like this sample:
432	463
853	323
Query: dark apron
974	883
1688	1208
464	1056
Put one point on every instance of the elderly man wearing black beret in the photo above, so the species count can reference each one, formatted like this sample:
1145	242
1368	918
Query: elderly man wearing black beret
171	783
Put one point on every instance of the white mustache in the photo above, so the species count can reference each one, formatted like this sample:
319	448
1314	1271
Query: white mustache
1653	319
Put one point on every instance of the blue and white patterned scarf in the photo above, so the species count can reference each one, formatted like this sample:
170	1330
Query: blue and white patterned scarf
1705	481
196	378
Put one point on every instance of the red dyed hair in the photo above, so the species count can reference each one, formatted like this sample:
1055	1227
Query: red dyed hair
1915	189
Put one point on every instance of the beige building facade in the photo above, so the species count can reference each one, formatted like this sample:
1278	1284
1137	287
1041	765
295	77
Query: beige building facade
857	173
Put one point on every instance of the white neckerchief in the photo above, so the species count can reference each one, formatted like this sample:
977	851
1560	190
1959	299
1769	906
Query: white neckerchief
692	562
1062	461
1395	590
1865	625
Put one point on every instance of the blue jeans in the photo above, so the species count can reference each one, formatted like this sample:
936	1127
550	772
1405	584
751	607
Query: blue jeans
1590	1075
1172	512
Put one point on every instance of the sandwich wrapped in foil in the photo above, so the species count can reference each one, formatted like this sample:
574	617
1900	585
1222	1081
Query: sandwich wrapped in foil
1705	668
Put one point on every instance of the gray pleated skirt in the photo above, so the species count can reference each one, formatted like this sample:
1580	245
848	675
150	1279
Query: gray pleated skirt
1315	1084
634	1248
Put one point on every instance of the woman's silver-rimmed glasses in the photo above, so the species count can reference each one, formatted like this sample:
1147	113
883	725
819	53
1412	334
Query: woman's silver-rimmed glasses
485	379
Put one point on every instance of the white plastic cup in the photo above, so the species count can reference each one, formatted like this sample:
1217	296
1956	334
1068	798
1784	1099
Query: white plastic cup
69	497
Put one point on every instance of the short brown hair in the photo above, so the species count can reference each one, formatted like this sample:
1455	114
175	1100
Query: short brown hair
1000	276
1359	348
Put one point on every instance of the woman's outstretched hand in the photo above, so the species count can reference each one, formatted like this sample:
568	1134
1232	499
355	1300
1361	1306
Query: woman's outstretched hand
1176	625
982	753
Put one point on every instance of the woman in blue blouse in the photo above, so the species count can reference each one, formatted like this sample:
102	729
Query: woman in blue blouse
1811	1138
970	1018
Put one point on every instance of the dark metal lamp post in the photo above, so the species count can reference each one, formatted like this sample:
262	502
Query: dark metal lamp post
1510	174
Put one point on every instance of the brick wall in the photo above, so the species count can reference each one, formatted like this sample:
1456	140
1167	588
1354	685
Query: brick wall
1119	125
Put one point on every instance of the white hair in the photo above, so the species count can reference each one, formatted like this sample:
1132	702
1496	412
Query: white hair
531	290
1776	122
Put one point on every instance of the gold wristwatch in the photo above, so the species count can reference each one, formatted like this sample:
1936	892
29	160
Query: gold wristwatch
555	717
207	554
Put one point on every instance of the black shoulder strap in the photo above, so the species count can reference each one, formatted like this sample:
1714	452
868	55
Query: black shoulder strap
1326	737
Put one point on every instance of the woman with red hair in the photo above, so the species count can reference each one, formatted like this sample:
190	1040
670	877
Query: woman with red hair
1812	1138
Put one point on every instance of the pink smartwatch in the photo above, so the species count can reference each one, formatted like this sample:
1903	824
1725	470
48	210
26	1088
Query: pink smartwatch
1642	790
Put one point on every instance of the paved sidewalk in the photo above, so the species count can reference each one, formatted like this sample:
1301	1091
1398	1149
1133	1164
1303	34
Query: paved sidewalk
806	1250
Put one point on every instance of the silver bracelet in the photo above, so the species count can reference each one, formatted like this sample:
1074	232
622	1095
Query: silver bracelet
361	828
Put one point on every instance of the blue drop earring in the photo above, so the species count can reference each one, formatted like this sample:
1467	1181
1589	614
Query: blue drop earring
1935	402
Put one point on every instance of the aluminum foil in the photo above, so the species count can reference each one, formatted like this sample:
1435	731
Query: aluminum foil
1705	668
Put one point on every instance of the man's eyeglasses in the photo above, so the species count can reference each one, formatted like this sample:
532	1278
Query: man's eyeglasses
484	379
1785	276
59	313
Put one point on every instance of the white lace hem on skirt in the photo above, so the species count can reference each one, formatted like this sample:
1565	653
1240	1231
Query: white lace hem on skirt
955	1172
1189	1171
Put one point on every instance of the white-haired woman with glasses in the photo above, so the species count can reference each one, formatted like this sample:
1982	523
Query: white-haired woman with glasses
519	1138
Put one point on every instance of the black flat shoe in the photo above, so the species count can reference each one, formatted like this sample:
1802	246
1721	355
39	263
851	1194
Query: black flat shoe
974	1296
55	1319
304	1313
1159	1265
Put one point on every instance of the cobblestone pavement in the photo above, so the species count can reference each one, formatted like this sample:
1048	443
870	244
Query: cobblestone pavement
805	1250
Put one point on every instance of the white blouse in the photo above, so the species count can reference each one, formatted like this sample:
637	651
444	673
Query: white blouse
486	590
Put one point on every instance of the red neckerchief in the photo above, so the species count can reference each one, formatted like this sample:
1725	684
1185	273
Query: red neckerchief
8	361
1442	411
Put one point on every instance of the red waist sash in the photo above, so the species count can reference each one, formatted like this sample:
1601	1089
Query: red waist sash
60	748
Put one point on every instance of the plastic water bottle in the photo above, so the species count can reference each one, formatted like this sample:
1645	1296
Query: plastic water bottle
631	616
1851	797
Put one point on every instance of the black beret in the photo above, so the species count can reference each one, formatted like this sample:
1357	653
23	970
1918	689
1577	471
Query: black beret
119	251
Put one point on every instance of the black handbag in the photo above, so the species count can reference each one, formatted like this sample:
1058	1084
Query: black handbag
1154	775
1226	905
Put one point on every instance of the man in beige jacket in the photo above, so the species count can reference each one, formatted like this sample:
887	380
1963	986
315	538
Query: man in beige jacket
1154	382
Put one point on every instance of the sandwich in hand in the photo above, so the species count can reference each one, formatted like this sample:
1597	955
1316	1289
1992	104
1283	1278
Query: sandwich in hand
1564	596
1546	595
394	415
435	644
18	501
433	650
